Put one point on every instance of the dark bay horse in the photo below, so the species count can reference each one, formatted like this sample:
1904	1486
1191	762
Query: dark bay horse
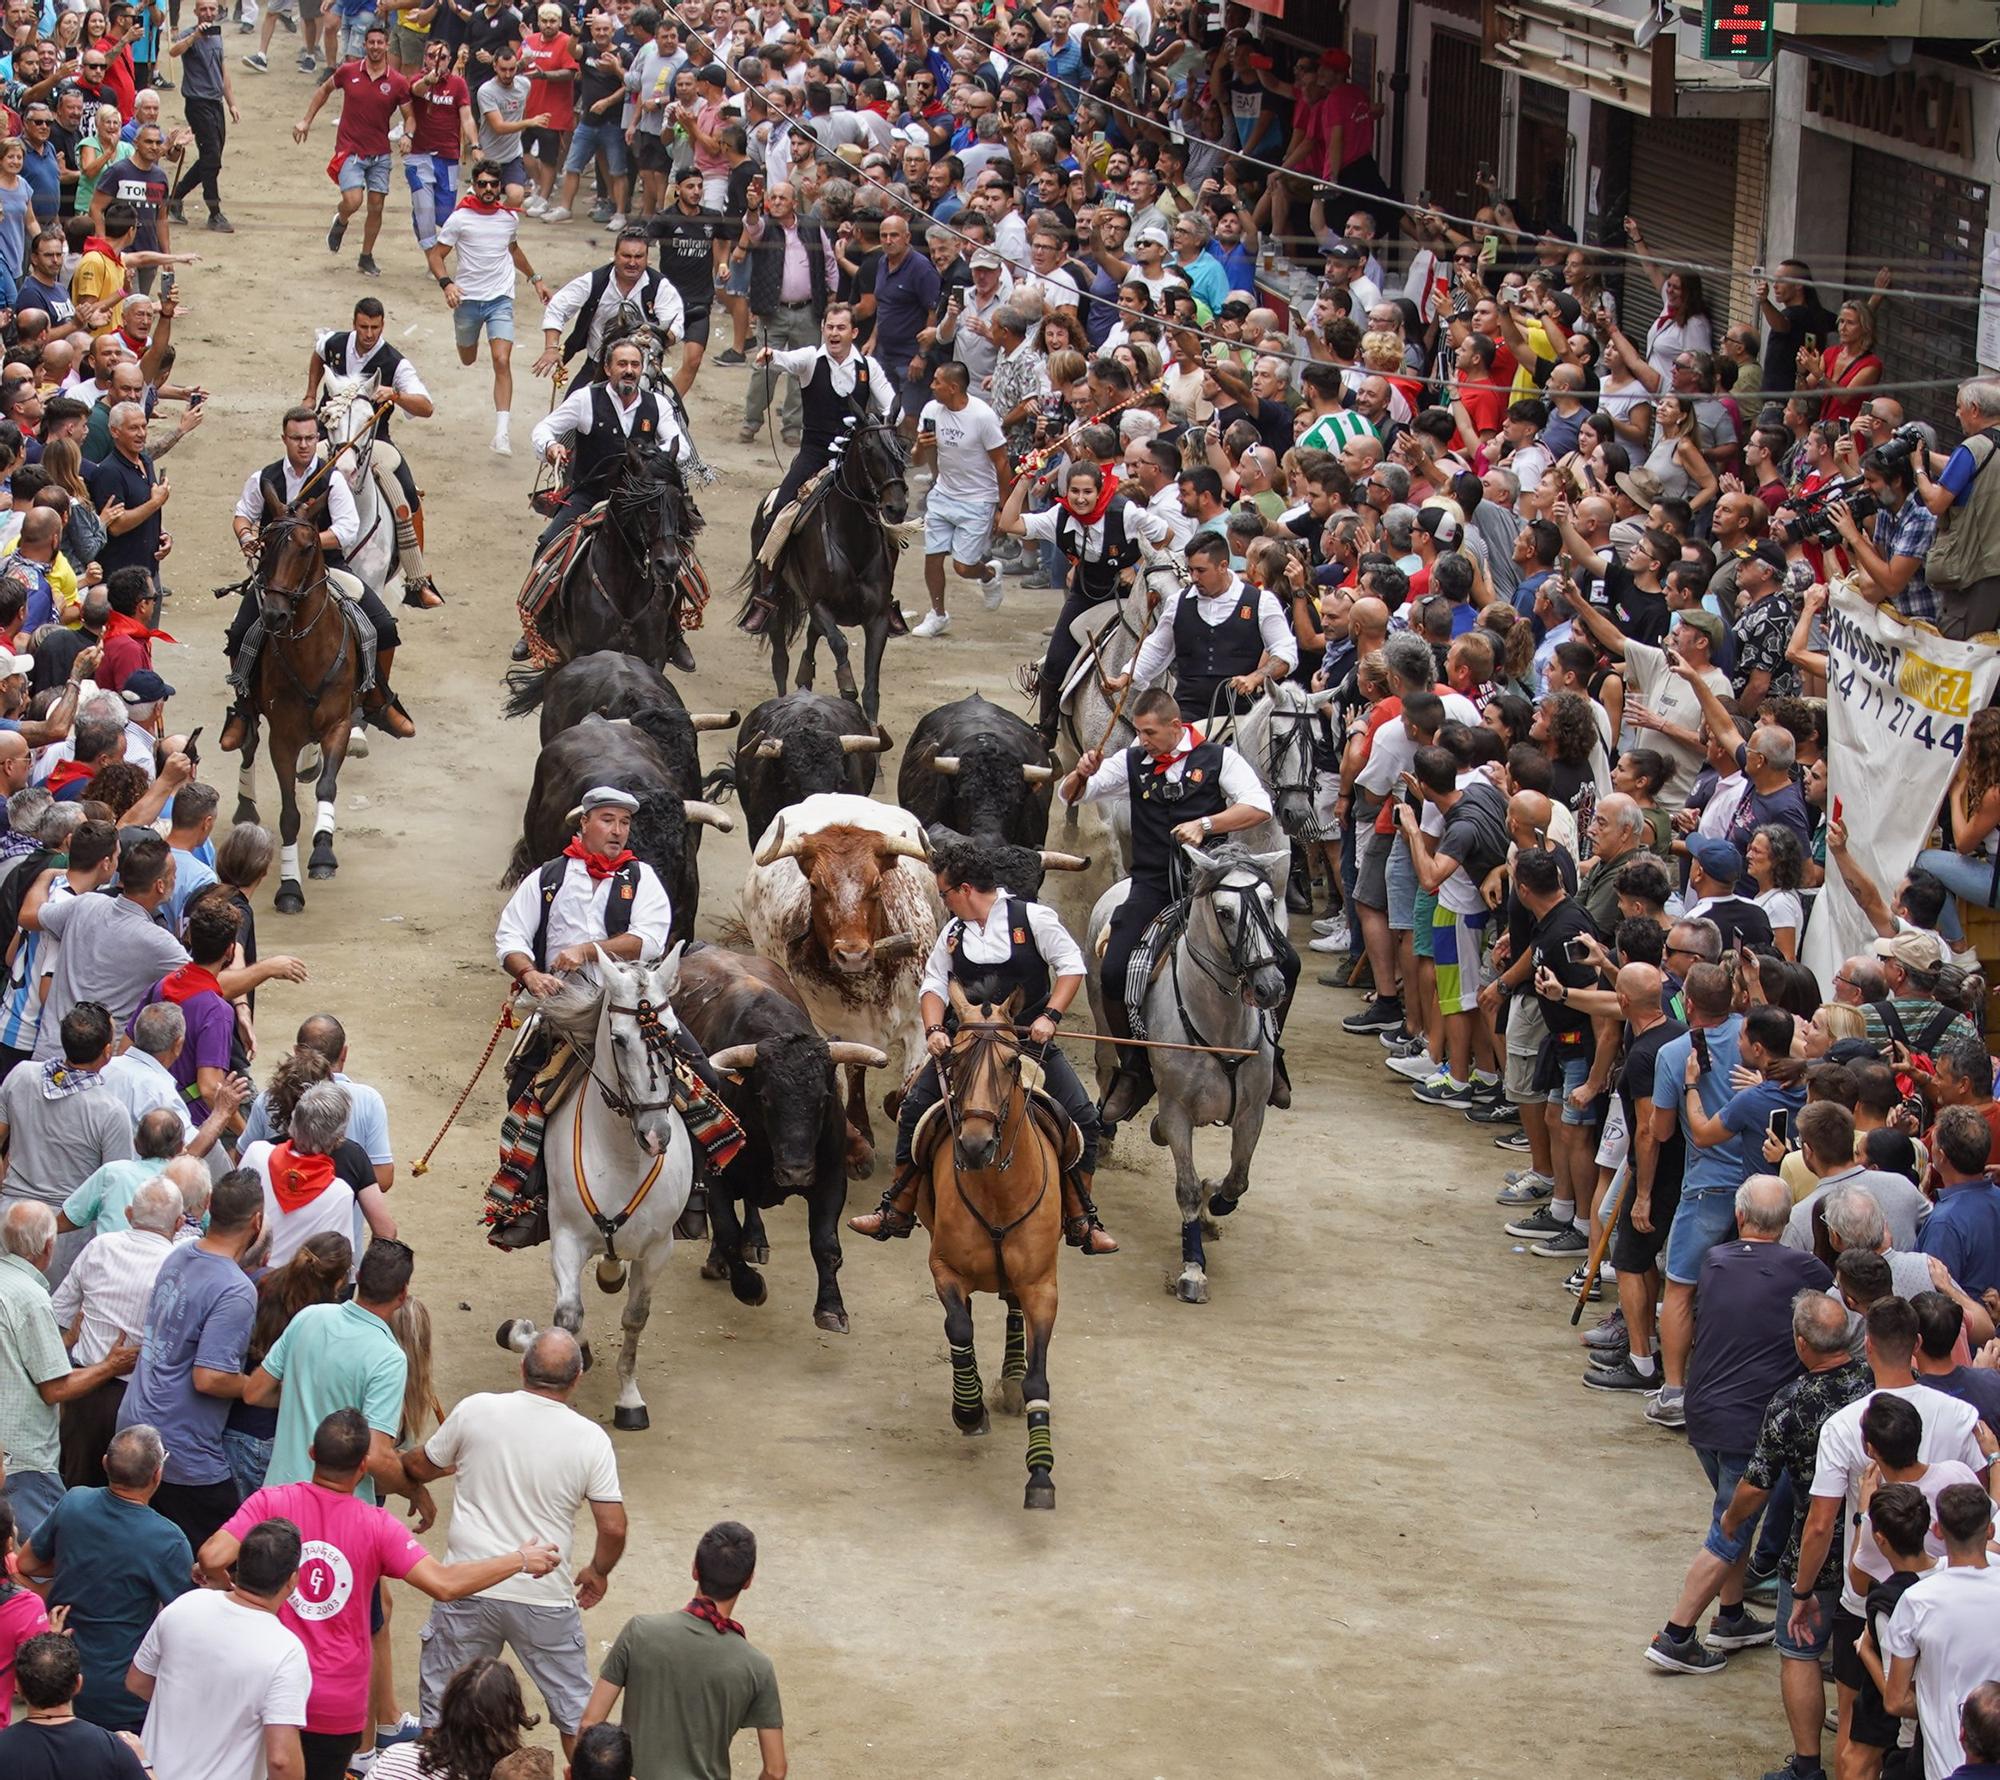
626	587
308	675
839	565
993	1207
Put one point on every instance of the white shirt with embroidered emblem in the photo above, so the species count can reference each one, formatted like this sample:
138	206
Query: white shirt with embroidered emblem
1141	523
798	361
576	413
340	511
576	916
406	381
109	1287
669	312
989	942
1156	653
1240	783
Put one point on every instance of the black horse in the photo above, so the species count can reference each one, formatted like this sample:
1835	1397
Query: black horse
626	587
839	565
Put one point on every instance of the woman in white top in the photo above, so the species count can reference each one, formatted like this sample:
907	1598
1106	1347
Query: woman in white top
1683	323
1776	862
306	1192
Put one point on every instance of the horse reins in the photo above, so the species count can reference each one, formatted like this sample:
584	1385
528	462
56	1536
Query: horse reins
653	1034
1240	970
997	1234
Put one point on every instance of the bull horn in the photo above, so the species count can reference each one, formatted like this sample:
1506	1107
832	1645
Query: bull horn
708	814
1065	861
895	946
1038	775
769	748
779	847
702	721
902	846
946	764
862	744
734	1057
853	1056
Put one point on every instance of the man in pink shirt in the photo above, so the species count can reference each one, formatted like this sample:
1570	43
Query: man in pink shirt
348	1546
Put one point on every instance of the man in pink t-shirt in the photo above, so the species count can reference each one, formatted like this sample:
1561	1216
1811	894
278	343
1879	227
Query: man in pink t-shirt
348	1546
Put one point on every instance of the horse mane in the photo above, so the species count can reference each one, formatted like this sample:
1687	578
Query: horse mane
573	1011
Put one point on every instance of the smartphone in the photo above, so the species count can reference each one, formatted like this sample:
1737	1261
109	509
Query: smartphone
211	30
191	747
196	400
1701	1051
1778	1127
1576	951
1812	343
166	284
1836	809
1757	275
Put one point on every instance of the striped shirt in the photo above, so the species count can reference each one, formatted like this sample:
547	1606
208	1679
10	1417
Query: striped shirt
21	1002
109	1287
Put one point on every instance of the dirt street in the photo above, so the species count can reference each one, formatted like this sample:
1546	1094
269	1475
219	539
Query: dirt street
1354	1516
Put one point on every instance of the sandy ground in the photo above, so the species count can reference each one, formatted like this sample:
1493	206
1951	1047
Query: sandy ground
1354	1516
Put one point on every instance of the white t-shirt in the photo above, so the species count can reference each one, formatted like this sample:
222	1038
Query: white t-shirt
1950	1623
1948	1426
485	269
1867	1555
223	1673
1666	694
526	1465
964	471
1782	908
332	1208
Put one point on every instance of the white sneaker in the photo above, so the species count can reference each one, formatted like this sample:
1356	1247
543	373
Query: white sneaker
616	223
555	213
1329	923
1419	1068
1335	940
502	444
932	624
992	590
534	204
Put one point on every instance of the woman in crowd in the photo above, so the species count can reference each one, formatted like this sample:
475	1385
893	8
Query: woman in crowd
1970	868
1776	862
1676	458
83	532
95	153
317	1274
1639	773
482	1719
1848	364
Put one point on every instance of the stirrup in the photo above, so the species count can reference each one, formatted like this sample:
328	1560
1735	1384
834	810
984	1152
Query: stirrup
692	1224
887	1220
1079	1231
376	716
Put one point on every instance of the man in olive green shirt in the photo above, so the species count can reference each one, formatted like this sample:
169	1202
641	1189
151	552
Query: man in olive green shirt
691	1679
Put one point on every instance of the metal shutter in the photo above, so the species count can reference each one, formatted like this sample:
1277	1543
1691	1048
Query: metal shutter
1899	213
1684	196
1464	126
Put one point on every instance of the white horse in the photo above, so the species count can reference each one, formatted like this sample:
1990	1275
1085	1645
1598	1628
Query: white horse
346	414
1222	976
618	1175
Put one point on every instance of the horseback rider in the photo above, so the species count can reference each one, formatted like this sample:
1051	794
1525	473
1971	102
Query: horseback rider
594	893
357	352
1226	642
1101	533
268	494
625	287
994	944
839	386
1182	790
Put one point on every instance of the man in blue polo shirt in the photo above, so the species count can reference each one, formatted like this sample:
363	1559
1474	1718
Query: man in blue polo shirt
43	167
127	475
906	296
1964	1230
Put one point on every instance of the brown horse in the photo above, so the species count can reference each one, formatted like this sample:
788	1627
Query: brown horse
993	1208
308	675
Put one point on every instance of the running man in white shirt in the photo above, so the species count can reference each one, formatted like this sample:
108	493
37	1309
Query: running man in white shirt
482	231
962	434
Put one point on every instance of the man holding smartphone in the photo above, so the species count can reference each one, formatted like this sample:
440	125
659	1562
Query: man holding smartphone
211	108
960	435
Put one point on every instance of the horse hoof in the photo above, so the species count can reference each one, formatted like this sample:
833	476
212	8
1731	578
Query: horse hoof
1153	1131
1191	1288
246	811
1221	1205
290	900
585	1346
758	1254
1007	1397
631	1421
714	1267
862	1168
1041	1494
514	1334
976	1429
834	1322
322	864
749	1288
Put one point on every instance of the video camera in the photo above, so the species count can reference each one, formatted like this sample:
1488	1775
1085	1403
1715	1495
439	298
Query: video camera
1811	521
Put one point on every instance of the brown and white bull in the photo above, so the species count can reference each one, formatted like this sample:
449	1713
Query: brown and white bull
841	895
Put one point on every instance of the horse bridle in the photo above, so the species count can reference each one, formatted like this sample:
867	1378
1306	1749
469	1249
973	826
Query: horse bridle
870	504
654	1037
297	595
987	1035
1256	923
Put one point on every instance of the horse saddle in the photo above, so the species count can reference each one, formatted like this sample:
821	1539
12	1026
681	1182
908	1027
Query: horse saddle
782	524
1061	1130
551	568
1149	959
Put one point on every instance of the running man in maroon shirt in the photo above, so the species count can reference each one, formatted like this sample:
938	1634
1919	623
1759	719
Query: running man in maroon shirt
372	95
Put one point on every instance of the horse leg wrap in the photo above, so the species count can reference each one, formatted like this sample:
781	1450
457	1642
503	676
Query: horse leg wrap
1015	1365
323	818
1041	1444
288	862
1191	1249
967	1402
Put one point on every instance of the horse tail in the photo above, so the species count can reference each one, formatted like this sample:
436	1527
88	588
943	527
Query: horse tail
526	688
519	863
720	785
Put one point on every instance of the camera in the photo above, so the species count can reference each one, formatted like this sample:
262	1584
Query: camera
1812	523
1901	445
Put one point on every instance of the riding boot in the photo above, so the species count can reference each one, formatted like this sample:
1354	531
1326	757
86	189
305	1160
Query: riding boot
236	726
381	706
529	1223
762	606
1082	1228
679	655
1132	1086
896	1215
692	1224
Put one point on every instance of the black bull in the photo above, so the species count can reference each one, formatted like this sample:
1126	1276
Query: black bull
639	756
781	1085
801	743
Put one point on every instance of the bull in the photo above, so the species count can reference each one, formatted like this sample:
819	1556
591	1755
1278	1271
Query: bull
612	685
780	1083
630	754
840	897
790	747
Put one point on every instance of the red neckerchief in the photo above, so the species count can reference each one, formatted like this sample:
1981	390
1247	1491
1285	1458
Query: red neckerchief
701	1607
480	206
188	982
98	244
880	107
1193	738
138	346
1106	489
596	864
67	774
297	1180
123	624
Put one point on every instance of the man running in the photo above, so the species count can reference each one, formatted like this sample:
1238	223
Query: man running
445	131
372	94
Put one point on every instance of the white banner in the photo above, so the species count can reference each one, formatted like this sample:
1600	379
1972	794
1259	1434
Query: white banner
1898	698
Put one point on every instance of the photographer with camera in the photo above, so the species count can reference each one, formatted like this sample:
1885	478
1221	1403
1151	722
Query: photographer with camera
1890	557
1965	566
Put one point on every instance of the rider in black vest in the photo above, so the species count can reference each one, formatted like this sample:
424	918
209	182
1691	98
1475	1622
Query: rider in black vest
1092	580
1180	790
1208	656
1042	962
620	411
1225	641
